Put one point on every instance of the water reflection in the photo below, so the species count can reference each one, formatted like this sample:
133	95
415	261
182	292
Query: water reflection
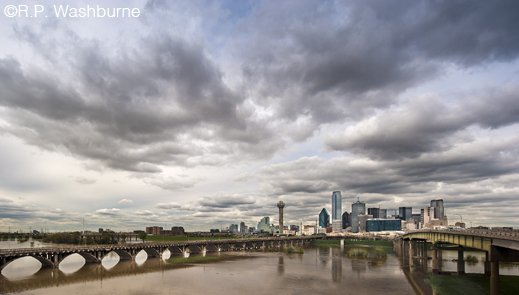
319	270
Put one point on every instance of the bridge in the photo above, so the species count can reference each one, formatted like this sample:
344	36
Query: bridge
498	247
53	256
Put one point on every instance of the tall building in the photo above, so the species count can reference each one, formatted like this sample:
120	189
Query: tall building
346	220
233	228
438	208
324	218
382	213
356	209
336	205
281	205
405	213
243	229
426	215
265	226
375	212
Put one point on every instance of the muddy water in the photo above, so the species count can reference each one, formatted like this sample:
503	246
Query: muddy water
320	270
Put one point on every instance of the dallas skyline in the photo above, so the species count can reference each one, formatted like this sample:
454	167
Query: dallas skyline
202	113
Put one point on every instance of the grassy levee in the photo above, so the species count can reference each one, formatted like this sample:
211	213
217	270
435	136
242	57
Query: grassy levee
191	259
182	239
378	243
473	285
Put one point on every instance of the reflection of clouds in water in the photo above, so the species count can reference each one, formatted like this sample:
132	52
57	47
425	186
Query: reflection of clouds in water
72	263
21	268
110	260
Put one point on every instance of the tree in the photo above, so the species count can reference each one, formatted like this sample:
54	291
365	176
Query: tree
142	236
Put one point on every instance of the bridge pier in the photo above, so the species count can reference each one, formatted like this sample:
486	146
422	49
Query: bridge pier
487	265
435	268
461	262
412	245
494	278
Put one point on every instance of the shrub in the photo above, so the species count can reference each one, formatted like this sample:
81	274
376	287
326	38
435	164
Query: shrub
379	253
471	259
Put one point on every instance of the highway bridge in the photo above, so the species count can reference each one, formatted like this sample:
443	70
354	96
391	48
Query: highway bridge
498	246
53	256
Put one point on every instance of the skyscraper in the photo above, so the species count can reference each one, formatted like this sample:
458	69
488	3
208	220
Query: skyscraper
405	213
324	218
346	220
375	212
438	208
356	209
336	205
243	228
382	213
281	205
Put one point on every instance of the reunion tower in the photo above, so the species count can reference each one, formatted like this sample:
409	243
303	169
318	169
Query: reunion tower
281	205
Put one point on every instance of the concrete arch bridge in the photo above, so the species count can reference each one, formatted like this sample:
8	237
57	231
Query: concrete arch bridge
52	257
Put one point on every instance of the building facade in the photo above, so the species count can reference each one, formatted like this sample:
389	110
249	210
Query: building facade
375	212
405	213
154	230
426	215
374	225
243	228
363	218
357	208
324	218
346	220
336	205
382	213
438	208
265	226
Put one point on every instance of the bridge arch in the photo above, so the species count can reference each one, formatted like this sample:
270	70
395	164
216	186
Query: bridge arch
44	261
89	258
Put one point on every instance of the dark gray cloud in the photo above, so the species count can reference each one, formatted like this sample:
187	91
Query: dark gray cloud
427	124
333	61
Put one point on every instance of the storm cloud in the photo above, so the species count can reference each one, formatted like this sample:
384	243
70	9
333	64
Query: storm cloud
212	112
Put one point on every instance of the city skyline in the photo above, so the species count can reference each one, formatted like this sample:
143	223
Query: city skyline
202	113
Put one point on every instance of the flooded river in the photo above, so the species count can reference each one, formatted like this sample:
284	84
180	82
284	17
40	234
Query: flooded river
320	270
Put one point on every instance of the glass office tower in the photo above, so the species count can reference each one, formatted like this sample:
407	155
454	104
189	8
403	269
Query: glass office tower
336	205
324	218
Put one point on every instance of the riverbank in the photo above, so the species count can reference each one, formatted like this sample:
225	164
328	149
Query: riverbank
474	285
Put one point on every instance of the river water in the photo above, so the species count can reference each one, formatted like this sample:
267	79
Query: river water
320	270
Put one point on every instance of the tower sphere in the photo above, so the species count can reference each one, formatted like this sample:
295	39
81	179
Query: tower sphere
281	204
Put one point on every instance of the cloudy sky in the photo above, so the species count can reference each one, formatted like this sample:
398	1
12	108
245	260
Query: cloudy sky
207	113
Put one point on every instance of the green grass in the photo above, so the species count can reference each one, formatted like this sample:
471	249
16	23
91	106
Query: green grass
379	243
293	249
456	285
182	239
191	259
358	253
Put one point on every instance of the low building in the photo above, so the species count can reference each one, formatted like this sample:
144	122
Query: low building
374	225
363	218
154	230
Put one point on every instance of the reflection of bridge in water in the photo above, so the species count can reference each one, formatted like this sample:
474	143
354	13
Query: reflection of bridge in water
52	257
48	277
